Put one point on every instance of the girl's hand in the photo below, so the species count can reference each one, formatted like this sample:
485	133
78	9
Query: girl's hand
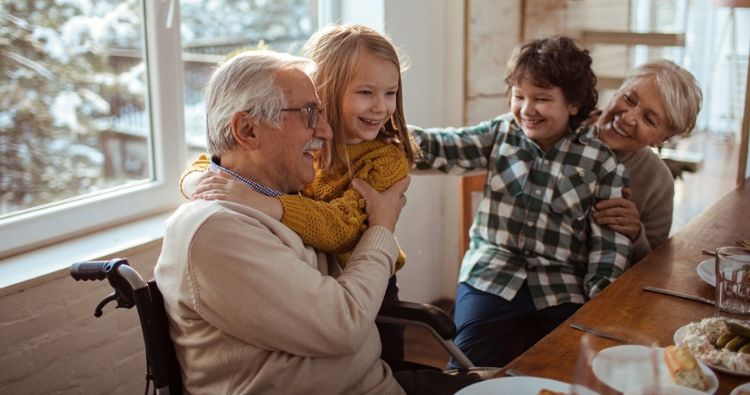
222	186
620	214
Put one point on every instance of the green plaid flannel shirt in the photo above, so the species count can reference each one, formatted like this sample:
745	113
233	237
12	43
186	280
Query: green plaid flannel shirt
534	221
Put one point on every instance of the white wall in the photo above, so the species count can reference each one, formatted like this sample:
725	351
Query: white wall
430	34
52	343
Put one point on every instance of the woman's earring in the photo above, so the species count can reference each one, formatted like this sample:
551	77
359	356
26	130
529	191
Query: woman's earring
393	124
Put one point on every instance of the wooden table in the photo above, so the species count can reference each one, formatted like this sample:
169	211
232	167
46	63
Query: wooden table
624	304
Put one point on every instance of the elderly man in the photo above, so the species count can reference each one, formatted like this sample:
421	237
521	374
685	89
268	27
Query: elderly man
252	309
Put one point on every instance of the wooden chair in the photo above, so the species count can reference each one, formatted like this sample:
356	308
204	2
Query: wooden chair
470	185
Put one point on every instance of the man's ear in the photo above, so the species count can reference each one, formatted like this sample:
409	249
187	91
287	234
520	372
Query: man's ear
243	130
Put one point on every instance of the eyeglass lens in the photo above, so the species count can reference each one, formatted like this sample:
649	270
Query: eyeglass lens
312	117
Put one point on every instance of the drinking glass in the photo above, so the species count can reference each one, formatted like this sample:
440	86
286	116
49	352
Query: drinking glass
732	282
609	367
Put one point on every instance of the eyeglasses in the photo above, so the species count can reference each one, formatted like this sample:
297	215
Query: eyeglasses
313	111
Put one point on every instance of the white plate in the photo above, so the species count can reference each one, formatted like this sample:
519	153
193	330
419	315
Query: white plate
619	381
742	387
663	389
706	272
680	333
524	385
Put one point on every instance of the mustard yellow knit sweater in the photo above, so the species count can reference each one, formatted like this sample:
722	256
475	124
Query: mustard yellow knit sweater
329	214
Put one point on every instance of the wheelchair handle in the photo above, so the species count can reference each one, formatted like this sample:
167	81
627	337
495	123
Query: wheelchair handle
124	280
95	270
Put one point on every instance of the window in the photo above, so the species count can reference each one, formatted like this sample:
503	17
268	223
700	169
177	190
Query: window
92	135
262	24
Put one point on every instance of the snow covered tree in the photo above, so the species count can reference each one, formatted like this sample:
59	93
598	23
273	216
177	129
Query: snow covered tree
54	77
70	70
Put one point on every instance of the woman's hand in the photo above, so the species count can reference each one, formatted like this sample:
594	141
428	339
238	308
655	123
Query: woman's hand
620	214
383	208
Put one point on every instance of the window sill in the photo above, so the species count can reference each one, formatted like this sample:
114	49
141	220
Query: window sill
24	271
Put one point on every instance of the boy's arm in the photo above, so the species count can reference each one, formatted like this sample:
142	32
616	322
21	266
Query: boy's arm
191	176
457	150
609	251
336	225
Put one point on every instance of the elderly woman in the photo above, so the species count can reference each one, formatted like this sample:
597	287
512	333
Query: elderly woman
657	101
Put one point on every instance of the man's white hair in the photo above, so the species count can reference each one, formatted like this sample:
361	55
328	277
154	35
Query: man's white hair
246	83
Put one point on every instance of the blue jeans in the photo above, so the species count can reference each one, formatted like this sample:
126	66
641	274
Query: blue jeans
493	331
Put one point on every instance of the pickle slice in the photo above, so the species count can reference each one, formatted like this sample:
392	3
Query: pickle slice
736	343
722	340
738	329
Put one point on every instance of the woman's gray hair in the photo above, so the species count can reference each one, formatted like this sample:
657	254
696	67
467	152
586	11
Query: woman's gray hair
682	94
246	82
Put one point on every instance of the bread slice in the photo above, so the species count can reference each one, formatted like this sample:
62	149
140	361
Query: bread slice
684	368
545	391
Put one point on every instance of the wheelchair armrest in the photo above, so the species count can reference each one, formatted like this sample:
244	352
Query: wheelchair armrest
421	314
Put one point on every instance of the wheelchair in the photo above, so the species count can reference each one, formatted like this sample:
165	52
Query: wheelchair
162	367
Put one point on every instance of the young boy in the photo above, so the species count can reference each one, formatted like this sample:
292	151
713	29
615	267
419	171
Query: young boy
535	254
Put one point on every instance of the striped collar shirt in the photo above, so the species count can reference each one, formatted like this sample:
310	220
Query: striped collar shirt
534	221
262	189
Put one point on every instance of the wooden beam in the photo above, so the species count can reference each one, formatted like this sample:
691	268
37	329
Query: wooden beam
628	38
744	132
604	82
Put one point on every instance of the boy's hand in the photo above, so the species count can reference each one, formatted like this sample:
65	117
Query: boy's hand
620	214
383	208
394	140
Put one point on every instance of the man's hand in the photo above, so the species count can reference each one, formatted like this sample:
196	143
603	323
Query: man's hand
383	208
620	214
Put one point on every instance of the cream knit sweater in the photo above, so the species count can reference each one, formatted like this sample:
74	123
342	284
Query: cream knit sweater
253	310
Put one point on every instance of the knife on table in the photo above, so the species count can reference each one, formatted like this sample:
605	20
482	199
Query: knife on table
679	295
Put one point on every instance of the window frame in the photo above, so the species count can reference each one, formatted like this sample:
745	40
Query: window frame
82	215
85	214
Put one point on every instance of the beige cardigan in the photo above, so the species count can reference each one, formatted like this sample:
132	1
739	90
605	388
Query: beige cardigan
652	191
253	310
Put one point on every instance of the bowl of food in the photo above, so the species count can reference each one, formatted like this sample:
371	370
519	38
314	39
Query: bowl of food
721	343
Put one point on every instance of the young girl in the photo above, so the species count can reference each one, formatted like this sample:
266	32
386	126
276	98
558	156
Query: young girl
535	253
358	79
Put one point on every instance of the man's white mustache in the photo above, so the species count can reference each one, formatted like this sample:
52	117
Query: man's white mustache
313	145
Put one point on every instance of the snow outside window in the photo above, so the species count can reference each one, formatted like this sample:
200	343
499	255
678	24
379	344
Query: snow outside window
100	109
215	29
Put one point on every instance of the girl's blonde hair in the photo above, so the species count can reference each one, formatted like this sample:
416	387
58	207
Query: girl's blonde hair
336	50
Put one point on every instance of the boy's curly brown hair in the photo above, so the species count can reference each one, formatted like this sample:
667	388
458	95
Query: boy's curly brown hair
556	61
